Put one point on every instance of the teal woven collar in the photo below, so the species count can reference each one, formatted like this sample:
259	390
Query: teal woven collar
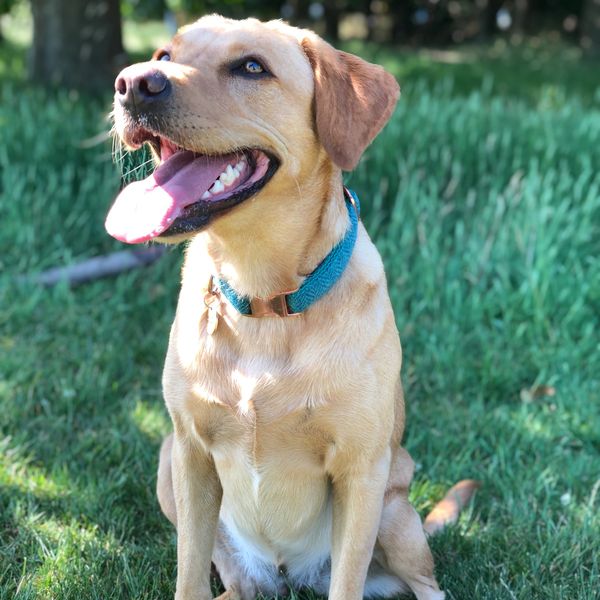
313	288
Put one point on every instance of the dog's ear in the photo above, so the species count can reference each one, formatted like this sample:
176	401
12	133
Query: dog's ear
353	100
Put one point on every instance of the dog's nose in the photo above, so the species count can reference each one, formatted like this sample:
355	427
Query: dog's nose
138	88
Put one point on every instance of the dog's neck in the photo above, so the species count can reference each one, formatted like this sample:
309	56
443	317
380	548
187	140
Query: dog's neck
278	239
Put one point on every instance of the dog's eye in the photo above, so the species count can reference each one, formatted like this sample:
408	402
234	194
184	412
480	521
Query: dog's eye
253	67
163	55
249	67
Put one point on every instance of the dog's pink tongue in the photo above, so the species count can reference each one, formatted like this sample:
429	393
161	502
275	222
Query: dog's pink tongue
145	209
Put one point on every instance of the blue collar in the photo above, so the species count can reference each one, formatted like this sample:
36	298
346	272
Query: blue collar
313	288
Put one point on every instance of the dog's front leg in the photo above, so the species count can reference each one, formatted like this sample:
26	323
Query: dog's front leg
357	504
198	499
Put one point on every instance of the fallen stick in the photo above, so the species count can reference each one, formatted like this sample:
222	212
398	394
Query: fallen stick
99	266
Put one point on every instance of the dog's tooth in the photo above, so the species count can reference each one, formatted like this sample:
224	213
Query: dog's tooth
217	187
231	174
227	175
226	178
205	196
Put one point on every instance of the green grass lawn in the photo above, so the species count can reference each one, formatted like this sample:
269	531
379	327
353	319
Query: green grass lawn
483	196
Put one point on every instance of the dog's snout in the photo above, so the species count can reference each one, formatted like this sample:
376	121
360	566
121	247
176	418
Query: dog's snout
137	88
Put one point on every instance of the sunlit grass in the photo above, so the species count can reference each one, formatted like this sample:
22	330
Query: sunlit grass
151	420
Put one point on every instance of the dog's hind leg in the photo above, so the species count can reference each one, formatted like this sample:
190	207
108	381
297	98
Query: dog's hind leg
401	535
164	484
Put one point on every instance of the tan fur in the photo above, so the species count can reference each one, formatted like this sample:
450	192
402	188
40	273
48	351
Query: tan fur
286	431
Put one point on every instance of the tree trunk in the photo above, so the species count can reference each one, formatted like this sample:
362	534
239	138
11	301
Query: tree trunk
590	27
76	44
487	17
332	18
402	27
521	14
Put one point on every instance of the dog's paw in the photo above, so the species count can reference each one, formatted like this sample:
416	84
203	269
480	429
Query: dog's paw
230	594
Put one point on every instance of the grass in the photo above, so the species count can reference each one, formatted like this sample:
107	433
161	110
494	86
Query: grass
483	197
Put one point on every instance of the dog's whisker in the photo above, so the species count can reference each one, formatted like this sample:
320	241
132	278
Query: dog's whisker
138	167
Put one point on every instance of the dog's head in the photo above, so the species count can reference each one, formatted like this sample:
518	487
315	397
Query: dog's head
232	109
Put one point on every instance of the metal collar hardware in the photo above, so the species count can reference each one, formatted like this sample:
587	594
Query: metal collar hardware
273	306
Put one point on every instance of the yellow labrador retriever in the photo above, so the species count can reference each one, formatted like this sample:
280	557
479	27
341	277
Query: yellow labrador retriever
282	375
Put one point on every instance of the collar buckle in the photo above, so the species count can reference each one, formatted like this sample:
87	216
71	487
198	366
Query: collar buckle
272	306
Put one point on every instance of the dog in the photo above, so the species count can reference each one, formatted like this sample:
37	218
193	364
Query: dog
284	468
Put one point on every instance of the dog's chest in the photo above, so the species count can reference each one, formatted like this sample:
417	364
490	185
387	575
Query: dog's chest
264	405
270	444
261	425
276	493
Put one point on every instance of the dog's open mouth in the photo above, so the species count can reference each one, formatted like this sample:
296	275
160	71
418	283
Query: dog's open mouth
185	190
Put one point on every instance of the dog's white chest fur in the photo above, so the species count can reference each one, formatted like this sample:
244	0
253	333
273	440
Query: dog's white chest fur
275	524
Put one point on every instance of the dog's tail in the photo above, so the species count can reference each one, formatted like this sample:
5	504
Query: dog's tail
446	511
